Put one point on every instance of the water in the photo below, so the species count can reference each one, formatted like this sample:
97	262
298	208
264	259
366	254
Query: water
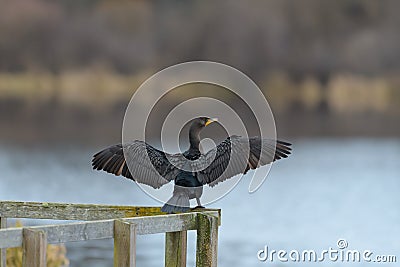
328	189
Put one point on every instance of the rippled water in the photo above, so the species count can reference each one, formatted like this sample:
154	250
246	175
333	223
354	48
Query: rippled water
328	189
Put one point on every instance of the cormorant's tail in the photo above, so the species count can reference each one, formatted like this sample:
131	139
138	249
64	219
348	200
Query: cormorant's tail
179	202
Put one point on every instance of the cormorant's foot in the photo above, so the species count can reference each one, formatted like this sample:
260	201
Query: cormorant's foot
198	207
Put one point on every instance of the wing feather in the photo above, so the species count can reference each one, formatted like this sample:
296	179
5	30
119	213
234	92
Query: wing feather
147	164
236	155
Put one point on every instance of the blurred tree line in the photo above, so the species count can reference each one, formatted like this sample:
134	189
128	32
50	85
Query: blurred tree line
310	37
331	65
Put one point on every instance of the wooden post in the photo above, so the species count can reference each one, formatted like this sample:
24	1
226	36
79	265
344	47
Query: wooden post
124	244
207	241
3	256
101	222
175	249
34	246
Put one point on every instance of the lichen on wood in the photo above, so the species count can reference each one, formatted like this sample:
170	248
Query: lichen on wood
207	240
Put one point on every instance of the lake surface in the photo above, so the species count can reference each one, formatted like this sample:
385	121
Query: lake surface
329	189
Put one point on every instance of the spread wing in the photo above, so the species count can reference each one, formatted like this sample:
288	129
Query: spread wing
148	165
236	155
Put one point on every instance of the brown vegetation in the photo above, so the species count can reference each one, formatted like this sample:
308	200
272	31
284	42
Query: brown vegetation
68	68
56	255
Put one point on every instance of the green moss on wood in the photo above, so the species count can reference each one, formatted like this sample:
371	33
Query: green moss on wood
206	240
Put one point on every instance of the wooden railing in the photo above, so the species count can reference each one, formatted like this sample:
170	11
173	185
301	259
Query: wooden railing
122	223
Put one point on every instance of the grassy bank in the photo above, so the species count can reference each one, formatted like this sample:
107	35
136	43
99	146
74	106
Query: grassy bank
82	104
100	89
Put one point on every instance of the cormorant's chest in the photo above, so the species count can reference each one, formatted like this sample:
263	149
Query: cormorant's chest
187	179
192	154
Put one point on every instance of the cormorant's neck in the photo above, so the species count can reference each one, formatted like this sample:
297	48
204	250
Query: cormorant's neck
194	137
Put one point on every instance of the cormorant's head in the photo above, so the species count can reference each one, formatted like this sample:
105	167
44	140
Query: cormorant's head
199	123
202	122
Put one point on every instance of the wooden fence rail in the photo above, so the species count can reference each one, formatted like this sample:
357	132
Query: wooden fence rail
123	223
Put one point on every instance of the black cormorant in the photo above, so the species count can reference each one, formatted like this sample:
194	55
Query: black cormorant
161	168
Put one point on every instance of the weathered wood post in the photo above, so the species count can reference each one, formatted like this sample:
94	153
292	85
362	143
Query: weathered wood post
122	223
34	247
207	241
124	244
175	249
3	256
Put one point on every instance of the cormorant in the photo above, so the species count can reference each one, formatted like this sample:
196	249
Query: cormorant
189	184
